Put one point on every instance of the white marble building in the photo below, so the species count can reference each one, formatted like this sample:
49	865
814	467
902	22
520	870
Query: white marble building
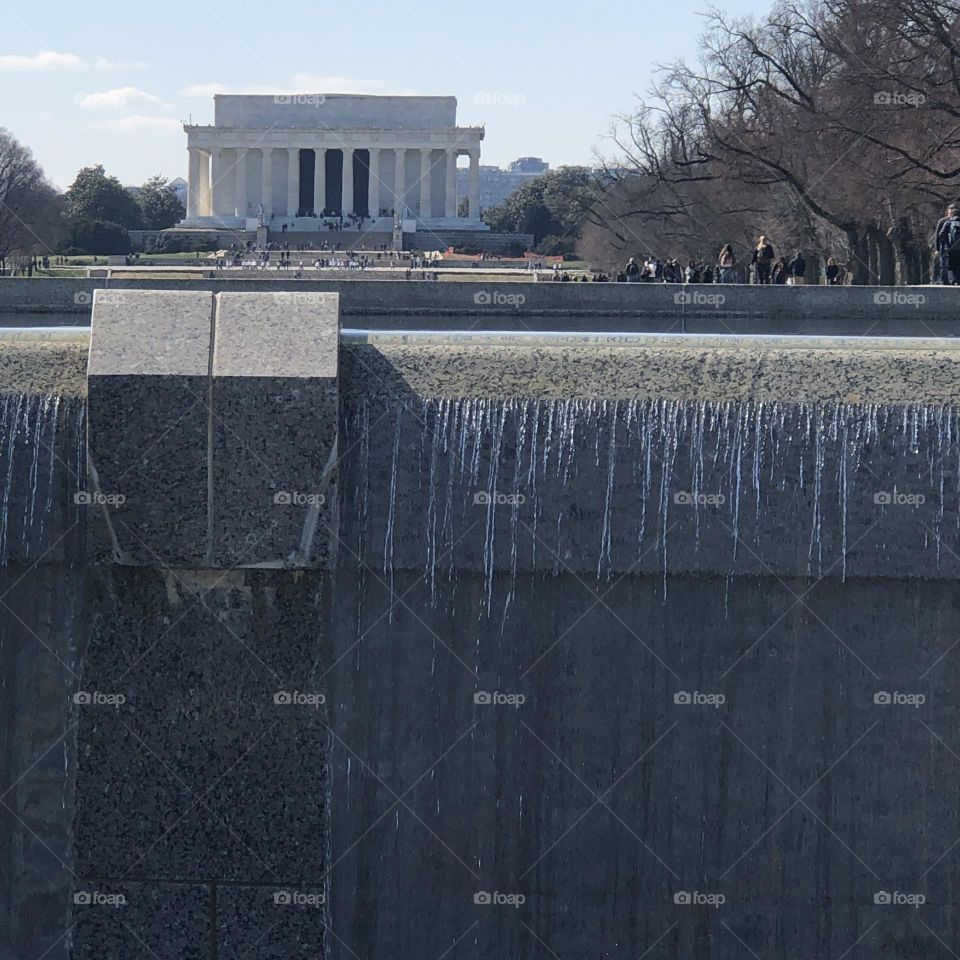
289	160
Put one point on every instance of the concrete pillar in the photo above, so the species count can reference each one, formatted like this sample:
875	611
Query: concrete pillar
373	194
425	171
204	195
399	180
193	183
266	183
240	193
319	180
451	183
293	181
474	184
346	180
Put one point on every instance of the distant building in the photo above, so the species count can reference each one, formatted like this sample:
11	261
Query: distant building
179	187
496	184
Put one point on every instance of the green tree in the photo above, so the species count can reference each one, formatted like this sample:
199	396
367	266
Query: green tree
159	204
552	207
95	196
100	237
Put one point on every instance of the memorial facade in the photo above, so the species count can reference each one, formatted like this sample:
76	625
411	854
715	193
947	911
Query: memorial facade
294	160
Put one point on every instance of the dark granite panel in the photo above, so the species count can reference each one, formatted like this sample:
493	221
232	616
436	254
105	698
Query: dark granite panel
205	754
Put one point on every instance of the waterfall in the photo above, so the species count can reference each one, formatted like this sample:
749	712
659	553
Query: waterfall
606	487
42	472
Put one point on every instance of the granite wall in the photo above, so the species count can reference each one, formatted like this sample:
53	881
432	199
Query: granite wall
626	651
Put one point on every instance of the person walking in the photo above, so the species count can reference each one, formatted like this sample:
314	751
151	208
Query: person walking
798	271
948	243
763	259
943	265
779	274
726	265
632	270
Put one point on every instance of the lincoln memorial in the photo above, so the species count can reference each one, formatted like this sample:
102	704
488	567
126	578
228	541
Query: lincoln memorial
289	160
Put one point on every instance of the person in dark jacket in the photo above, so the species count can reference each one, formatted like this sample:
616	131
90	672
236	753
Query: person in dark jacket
833	273
798	270
779	275
632	270
948	243
943	266
763	260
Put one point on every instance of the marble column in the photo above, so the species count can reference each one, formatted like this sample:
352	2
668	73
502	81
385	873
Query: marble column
319	180
425	193
220	199
193	183
204	194
373	193
451	180
399	180
346	201
474	184
293	181
266	183
240	193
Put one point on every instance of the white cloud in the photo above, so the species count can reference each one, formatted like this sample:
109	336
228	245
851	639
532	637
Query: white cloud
51	60
44	60
141	122
117	98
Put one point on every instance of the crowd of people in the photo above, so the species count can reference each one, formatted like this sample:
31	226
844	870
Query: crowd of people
763	267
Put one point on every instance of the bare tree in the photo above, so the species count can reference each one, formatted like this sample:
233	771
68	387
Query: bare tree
829	122
29	205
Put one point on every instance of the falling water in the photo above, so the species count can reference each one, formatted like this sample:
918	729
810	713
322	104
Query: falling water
603	487
42	469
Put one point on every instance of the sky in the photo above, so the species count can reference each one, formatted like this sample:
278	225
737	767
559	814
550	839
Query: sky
113	82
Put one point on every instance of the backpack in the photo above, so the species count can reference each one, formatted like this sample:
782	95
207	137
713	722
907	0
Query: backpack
953	236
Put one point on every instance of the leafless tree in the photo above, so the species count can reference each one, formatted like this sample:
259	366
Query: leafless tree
30	221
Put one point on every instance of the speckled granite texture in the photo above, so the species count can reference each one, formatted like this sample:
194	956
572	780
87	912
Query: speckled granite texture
680	368
213	427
